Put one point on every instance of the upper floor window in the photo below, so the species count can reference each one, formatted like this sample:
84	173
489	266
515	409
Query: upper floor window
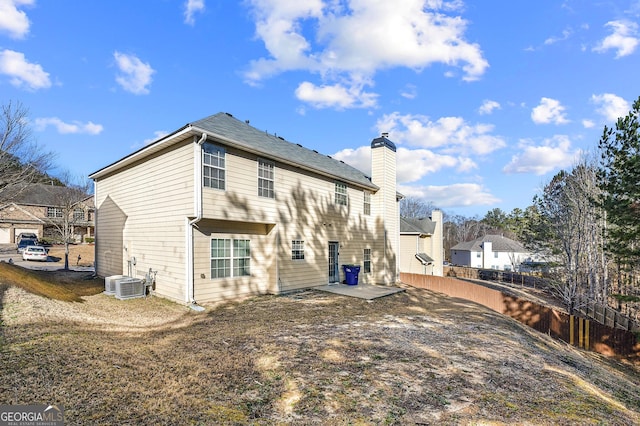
341	194
367	203
213	166
266	178
54	212
78	214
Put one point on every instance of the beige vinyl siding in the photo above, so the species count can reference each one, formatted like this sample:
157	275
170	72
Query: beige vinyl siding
410	245
111	221
305	208
385	207
263	264
156	196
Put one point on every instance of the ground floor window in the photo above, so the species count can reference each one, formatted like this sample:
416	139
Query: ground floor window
226	252
241	258
297	250
220	258
367	261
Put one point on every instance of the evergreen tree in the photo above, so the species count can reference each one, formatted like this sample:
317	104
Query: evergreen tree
619	181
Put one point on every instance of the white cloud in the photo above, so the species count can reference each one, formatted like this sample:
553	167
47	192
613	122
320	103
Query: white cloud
74	127
191	7
349	41
588	124
451	196
554	153
555	39
14	21
21	72
336	96
623	40
410	91
451	135
413	164
488	107
156	135
135	75
611	106
549	111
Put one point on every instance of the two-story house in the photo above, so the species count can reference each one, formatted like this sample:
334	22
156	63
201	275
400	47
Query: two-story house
490	252
221	209
39	210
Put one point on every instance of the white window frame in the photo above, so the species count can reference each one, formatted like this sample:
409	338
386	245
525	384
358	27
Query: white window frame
367	203
214	160
78	214
241	258
230	258
266	178
366	261
54	212
224	259
297	249
341	194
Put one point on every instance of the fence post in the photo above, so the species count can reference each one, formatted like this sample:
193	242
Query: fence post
586	334
571	337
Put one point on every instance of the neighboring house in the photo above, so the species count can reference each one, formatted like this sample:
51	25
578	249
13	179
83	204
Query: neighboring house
490	252
37	209
221	209
421	245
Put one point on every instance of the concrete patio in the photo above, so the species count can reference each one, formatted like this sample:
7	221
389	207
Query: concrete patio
361	291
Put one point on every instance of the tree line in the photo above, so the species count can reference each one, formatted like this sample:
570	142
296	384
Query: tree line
585	221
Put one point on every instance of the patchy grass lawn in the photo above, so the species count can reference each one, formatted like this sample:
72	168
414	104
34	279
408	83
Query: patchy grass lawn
308	358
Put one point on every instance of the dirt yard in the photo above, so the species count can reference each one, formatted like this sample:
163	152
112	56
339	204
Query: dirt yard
309	358
85	251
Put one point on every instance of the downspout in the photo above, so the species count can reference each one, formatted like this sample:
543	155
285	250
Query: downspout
197	184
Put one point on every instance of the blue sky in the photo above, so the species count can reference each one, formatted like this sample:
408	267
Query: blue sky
485	100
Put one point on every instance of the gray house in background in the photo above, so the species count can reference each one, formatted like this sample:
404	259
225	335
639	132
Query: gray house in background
490	252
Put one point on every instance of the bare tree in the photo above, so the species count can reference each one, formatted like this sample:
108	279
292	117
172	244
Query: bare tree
21	160
573	230
70	210
416	208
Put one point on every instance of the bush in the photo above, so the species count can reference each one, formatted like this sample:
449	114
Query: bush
89	240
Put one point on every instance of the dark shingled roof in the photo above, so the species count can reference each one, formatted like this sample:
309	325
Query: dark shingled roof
498	243
417	226
275	147
40	194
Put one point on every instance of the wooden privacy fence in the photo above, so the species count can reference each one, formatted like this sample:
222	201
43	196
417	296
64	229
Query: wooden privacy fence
574	330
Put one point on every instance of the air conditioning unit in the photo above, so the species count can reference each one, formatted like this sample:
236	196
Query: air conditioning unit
110	284
129	288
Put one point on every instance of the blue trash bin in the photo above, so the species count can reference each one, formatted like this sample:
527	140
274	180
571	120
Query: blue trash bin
351	274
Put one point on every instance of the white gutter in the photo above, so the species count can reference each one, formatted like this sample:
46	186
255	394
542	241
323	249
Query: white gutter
197	207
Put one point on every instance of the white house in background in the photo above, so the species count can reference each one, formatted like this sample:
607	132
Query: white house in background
421	245
221	209
490	252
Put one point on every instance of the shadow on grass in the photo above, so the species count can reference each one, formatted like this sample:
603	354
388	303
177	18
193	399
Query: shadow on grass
68	286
